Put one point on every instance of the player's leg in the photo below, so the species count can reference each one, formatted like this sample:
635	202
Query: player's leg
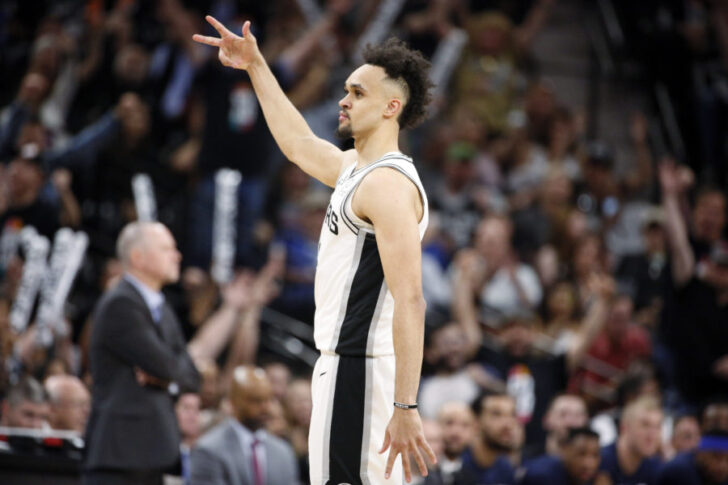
380	389
322	393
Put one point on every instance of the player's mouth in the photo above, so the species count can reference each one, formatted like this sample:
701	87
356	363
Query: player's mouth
342	116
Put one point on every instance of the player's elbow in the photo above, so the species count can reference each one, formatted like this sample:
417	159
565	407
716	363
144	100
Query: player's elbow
415	303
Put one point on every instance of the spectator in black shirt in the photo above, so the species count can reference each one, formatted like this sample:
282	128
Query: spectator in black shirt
694	326
25	205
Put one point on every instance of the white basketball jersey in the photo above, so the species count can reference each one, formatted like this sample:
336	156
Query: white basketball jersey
354	307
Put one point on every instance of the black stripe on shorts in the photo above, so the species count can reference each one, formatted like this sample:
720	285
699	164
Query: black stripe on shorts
347	422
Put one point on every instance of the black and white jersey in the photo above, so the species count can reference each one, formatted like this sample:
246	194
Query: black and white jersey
354	307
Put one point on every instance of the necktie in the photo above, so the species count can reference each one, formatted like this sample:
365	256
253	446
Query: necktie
257	469
157	312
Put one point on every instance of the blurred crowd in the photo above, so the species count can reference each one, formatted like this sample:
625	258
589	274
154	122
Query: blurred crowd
575	296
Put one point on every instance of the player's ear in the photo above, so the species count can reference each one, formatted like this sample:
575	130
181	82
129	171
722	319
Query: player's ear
393	109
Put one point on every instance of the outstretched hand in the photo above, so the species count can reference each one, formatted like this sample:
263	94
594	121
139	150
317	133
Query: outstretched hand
404	436
234	51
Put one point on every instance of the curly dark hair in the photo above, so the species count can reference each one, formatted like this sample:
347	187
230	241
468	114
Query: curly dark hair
408	67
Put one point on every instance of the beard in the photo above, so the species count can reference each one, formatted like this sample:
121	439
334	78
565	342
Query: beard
344	132
497	445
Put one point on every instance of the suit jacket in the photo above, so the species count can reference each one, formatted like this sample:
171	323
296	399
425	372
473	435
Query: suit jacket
219	459
134	427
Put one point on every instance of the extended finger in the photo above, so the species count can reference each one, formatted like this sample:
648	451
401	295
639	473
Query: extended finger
221	29
203	39
246	29
426	446
390	462
406	466
420	461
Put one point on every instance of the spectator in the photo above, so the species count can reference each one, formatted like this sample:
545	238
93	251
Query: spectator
646	275
566	412
70	403
639	381
700	276
453	379
300	246
486	461
632	459
619	344
706	465
187	409
503	284
297	406
240	450
458	428
578	464
685	435
279	376
715	415
25	205
26	405
455	196
562	324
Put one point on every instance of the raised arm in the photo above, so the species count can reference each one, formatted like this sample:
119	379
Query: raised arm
683	261
392	203
315	156
603	287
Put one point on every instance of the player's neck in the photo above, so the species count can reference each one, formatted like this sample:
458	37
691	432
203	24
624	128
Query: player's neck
371	146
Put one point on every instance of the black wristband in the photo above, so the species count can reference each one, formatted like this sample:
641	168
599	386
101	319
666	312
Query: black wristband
405	406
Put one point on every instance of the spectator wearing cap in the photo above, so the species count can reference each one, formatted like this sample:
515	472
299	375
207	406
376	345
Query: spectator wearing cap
631	460
708	465
533	378
577	465
26	405
240	451
70	402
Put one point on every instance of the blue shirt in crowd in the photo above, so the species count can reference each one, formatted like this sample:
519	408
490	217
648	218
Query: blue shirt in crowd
646	473
682	470
545	469
501	472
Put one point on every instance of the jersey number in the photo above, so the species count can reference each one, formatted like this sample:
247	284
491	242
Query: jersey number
331	220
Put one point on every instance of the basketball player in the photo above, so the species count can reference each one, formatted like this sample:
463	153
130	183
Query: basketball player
369	321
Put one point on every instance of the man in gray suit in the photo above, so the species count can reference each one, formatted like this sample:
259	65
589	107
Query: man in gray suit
239	451
138	362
